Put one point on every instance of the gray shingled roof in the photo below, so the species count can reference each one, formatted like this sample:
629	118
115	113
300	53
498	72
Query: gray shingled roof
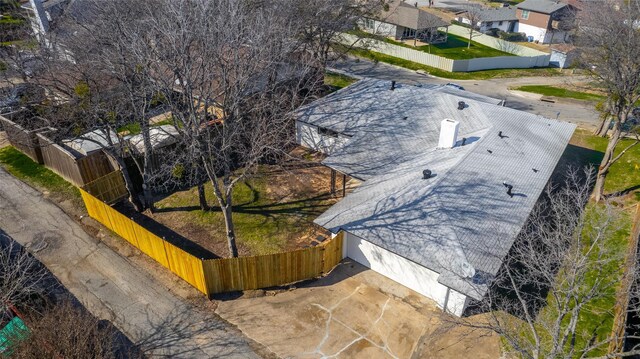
403	14
462	217
499	14
542	6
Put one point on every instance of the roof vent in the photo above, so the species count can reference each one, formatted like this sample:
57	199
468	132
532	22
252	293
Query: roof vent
426	174
509	188
393	85
461	105
448	133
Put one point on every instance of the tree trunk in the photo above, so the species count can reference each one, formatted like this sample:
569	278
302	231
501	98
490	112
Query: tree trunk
231	234
147	167
607	161
202	196
603	128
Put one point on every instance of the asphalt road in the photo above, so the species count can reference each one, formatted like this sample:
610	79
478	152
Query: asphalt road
579	112
109	286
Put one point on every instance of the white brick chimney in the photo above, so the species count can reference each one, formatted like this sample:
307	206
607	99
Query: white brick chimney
448	133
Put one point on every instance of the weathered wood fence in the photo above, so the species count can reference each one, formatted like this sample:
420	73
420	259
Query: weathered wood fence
22	139
74	167
212	276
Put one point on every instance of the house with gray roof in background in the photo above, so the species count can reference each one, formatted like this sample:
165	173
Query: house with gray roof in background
402	21
546	21
447	181
503	19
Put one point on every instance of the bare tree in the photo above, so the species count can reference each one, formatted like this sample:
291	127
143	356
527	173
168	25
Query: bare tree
21	276
611	54
473	13
231	73
554	296
67	330
320	22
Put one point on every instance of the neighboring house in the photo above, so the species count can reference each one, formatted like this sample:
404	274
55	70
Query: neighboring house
546	21
503	19
434	212
404	21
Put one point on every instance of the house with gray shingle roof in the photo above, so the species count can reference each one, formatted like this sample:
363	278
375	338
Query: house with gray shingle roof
404	21
448	180
503	18
546	21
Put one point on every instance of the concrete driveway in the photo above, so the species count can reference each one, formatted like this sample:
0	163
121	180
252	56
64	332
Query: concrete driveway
354	313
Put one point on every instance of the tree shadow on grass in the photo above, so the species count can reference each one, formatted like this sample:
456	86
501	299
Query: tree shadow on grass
164	232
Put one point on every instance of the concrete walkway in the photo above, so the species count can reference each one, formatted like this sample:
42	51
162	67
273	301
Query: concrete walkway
112	288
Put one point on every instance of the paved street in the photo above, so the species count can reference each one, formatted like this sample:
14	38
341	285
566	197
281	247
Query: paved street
111	287
578	112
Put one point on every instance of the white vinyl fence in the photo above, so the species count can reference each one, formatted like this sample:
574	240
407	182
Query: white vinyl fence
525	57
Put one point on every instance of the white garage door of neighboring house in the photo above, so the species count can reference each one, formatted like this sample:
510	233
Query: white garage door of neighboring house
403	271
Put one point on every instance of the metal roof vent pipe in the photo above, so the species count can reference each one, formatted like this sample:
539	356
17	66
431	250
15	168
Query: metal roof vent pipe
426	174
448	133
461	105
393	85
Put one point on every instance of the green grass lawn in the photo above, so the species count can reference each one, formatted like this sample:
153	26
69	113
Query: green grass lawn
456	49
624	174
560	92
272	212
36	175
476	75
338	81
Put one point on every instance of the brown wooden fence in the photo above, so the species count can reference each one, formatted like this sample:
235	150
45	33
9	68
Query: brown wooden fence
110	188
212	276
75	168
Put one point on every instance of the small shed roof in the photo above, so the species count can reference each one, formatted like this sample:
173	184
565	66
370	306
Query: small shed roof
92	141
459	221
160	136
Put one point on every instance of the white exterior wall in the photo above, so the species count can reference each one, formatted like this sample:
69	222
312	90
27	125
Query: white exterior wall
484	26
405	272
381	28
538	33
495	25
308	136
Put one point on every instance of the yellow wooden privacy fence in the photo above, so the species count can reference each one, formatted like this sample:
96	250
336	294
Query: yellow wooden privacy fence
212	276
243	273
183	264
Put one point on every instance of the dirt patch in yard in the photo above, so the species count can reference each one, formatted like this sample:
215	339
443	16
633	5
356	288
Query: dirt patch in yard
273	211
